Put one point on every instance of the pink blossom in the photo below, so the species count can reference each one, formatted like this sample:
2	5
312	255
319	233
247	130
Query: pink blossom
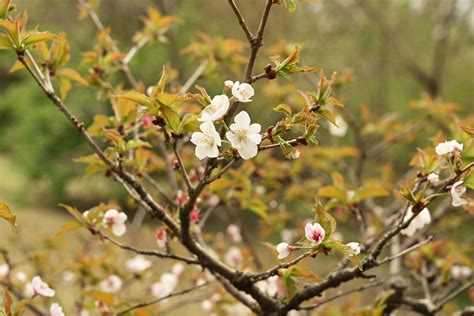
314	233
181	198
147	121
160	235
195	215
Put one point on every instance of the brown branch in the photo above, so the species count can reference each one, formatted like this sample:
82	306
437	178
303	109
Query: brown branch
151	205
156	301
274	271
144	252
342	294
242	23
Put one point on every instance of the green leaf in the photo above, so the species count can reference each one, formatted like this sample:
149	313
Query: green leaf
325	219
367	192
38	37
4	8
283	108
259	208
68	227
328	115
332	191
74	212
171	117
5	42
136	97
7	214
137	143
466	129
290	285
304	273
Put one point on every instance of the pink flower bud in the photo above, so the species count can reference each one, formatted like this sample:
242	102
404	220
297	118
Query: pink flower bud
181	198
147	122
160	235
195	215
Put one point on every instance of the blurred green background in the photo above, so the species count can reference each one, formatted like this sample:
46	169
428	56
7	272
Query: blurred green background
377	39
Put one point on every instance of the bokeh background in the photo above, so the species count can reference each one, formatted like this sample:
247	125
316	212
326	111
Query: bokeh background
388	45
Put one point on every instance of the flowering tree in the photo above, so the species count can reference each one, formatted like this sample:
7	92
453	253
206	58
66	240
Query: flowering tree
186	157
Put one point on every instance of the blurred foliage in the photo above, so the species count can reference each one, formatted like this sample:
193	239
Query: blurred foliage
334	34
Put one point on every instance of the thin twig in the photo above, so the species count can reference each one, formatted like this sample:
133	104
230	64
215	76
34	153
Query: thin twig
342	294
144	252
242	22
404	252
155	301
197	73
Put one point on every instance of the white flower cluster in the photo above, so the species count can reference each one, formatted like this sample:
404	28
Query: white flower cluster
242	135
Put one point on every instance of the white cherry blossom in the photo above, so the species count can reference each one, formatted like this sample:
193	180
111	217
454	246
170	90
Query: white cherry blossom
56	310
4	270
111	284
314	233
448	147
115	220
283	249
460	272
433	178
216	110
457	191
166	285
137	264
206	141
39	287
244	136
228	84
423	218
233	231
355	247
234	257
177	269
341	129
242	91
269	286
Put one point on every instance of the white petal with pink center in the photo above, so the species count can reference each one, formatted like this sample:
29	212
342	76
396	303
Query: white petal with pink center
115	220
315	233
111	284
448	147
